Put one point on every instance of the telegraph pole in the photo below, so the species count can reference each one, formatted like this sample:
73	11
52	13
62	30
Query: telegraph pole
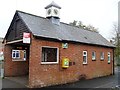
118	44
118	33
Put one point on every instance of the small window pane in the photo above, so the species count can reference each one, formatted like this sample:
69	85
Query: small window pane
84	53
17	54
93	56
84	59
102	55
13	54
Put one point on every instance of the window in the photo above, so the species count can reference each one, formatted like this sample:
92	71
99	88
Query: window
102	55
108	57
24	55
49	55
18	55
15	54
93	55
84	57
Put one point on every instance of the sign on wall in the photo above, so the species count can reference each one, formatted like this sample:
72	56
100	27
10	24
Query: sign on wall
65	62
64	45
26	38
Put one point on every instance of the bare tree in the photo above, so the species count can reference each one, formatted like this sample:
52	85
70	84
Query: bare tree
116	41
114	36
74	23
92	28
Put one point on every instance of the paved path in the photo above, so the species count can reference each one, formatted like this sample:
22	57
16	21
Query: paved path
6	83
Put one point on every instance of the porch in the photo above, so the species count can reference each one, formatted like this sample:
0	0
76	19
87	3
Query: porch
16	63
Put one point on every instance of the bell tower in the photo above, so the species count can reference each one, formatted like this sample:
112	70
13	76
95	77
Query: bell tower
53	12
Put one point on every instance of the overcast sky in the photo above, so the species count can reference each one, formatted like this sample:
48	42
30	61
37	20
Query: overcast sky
99	13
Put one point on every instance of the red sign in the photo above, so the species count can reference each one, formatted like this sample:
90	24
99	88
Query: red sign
26	37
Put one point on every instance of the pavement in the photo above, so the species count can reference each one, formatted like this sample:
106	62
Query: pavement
7	83
103	82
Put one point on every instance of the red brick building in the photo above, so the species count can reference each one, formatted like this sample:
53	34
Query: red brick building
51	52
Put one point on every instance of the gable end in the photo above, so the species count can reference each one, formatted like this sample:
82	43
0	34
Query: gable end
16	29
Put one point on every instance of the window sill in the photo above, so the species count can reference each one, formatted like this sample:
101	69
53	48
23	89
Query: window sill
18	60
49	63
93	59
84	63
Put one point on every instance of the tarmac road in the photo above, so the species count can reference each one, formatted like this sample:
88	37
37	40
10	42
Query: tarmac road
103	82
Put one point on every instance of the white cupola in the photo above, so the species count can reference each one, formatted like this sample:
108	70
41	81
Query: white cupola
53	10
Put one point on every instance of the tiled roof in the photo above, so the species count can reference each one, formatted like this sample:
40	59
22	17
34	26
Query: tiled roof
42	27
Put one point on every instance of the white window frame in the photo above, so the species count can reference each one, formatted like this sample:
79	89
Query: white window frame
57	55
18	58
84	55
101	55
93	57
109	57
15	54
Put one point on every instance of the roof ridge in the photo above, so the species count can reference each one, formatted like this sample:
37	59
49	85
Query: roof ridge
30	14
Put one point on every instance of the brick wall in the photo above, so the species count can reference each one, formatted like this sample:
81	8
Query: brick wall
51	74
13	68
